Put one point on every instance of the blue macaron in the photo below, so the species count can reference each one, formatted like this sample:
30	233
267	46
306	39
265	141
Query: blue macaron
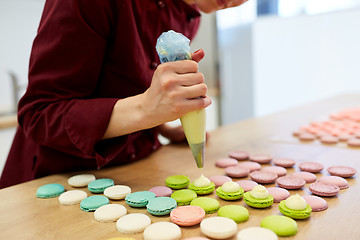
50	190
92	203
99	185
139	199
161	205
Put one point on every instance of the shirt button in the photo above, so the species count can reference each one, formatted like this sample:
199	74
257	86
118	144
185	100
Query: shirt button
133	156
190	18
153	65
154	147
161	4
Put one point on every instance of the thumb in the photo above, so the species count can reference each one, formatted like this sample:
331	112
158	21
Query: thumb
198	55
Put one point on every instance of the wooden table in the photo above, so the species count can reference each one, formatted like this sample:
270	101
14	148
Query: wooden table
24	216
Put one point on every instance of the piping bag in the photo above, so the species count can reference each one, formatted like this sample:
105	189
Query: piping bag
172	46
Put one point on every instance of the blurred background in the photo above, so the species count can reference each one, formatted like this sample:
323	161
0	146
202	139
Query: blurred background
262	57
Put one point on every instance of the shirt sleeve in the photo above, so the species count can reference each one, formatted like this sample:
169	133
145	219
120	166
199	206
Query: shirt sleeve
60	109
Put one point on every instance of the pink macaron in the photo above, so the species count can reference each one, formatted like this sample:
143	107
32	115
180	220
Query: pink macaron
280	171
324	189
260	158
278	194
187	215
329	139
219	180
161	191
237	172
305	136
316	203
312	167
342	171
353	142
307	176
239	155
247	185
339	181
226	162
261	176
284	162
290	182
252	166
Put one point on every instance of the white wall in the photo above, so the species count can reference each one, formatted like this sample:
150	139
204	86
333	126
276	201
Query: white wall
305	58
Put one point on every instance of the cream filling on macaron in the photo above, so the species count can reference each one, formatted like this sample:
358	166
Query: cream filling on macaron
295	202
230	187
259	192
202	181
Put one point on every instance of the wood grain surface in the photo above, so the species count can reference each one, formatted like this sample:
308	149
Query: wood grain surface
24	216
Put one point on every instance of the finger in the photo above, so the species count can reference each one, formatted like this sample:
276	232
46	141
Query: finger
198	55
189	79
235	3
196	104
180	67
195	91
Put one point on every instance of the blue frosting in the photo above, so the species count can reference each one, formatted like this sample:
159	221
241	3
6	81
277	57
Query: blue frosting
172	46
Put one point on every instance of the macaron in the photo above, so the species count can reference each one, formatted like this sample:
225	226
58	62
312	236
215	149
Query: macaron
184	196
260	158
162	231
92	203
307	176
226	162
235	212
72	197
219	180
186	216
263	177
339	181
196	238
312	167
342	171
324	189
133	223
239	155
247	185
258	197
252	166
278	194
258	233
121	238
161	206
139	199
218	227
177	181
50	190
295	207
99	185
290	182
353	142
283	226
210	205
237	171
305	136
230	191
117	192
109	212
316	203
161	191
279	171
284	162
202	186
329	139
81	180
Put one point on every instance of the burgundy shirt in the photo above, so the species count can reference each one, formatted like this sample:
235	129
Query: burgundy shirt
86	56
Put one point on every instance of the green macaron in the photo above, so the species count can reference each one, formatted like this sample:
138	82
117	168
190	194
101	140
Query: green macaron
184	196
295	214
99	185
202	190
258	203
283	226
177	181
161	206
229	195
139	199
92	203
50	190
235	212
210	205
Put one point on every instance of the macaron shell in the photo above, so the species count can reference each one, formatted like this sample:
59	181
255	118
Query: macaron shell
342	171
161	206
202	190
139	199
312	167
252	166
162	231
210	205
92	203
324	189
50	190
258	203
81	180
239	155
226	162
316	203
256	233
117	192
109	212
247	185
290	182
177	181
296	214
133	223
339	181
235	212
187	215
284	162
161	191
279	171
219	180
229	195
278	194
283	226
307	176
218	227
260	158
184	196
99	185
264	177
72	197
237	171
